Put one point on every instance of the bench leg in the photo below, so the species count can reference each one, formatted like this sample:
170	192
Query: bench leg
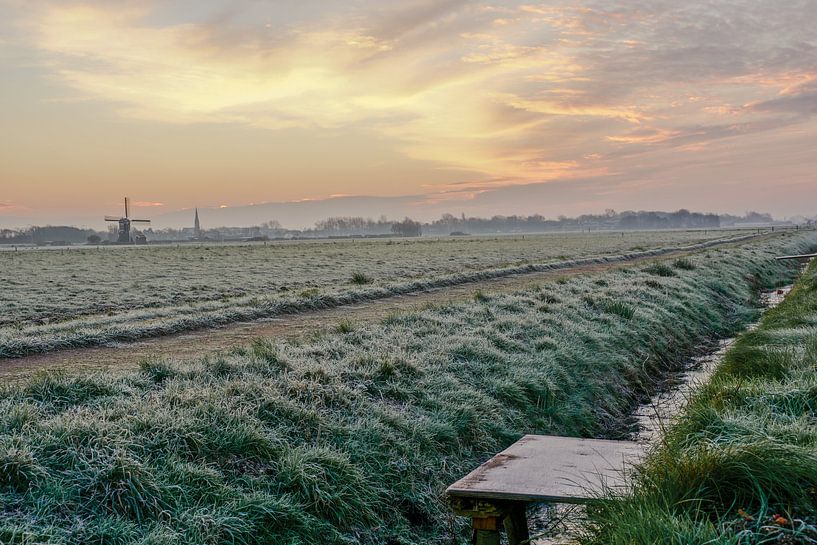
516	524
486	531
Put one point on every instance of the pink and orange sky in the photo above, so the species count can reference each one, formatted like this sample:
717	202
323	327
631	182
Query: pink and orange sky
448	106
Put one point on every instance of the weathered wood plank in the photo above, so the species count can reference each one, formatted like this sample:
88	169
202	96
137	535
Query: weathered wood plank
543	468
803	256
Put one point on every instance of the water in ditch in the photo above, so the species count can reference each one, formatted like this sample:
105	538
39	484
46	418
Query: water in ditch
653	417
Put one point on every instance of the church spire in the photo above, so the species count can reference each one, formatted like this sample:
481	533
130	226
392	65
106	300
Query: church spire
197	226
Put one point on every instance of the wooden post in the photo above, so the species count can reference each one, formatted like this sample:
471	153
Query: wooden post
516	524
486	530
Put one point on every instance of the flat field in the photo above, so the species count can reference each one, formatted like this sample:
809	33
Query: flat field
40	286
85	296
351	437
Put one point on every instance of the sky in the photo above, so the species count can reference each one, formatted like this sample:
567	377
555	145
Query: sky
556	107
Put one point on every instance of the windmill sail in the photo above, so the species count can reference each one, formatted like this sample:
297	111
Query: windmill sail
124	235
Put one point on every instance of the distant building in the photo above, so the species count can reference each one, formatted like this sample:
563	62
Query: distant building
197	226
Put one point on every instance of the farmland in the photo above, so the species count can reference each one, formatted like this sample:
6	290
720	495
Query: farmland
351	436
79	297
47	286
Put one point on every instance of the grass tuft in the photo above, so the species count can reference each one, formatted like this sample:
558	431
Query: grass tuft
122	485
18	470
650	283
619	308
684	264
360	278
660	269
157	371
344	326
480	296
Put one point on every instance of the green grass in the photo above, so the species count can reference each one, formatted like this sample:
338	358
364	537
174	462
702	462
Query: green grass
660	269
684	264
360	279
740	467
351	437
619	308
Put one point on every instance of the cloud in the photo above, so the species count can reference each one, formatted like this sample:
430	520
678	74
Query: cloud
7	207
646	136
509	93
800	99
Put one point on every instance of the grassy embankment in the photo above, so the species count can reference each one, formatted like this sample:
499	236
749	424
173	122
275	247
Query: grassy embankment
741	465
351	437
71	331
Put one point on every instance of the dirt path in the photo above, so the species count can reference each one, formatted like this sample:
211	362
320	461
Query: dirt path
194	344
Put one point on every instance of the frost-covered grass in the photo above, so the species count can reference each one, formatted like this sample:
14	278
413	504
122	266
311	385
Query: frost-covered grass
741	465
63	299
47	285
351	437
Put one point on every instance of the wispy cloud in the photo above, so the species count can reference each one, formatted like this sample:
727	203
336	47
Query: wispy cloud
800	99
437	98
7	207
508	92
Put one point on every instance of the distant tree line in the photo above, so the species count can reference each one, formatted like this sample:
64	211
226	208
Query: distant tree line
354	226
755	218
610	220
49	234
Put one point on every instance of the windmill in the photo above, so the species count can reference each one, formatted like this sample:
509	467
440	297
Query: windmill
124	224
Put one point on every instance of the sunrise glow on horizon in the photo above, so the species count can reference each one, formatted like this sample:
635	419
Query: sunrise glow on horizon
455	106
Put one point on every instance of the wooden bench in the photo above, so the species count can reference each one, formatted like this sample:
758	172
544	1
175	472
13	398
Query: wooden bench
539	469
